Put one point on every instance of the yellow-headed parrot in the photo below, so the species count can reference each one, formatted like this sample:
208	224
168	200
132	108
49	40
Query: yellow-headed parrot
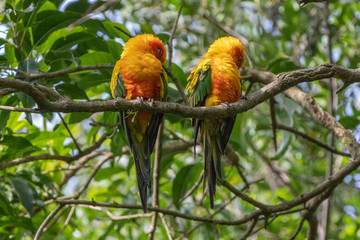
139	75
214	81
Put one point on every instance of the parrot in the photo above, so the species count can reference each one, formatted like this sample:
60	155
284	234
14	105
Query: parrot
139	74
215	81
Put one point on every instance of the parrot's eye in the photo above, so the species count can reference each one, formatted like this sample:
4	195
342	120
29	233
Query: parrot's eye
159	52
240	59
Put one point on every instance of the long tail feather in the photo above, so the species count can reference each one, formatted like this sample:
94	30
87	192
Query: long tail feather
141	152
215	135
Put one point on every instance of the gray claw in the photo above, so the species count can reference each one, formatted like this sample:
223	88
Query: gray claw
140	99
225	104
151	101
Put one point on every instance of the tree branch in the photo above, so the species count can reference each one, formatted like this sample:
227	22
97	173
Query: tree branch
156	179
85	152
317	142
47	220
274	87
302	3
161	210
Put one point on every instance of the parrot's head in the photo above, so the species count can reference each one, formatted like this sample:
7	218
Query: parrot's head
230	46
146	43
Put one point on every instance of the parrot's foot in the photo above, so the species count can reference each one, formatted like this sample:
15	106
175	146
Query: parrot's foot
225	104
244	97
140	99
151	101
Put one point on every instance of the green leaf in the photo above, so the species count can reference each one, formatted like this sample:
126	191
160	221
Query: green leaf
4	115
285	143
51	21
15	142
178	73
281	64
104	173
24	192
116	144
92	79
29	65
67	42
78	117
164	37
349	122
71	90
15	222
96	58
111	28
186	177
5	208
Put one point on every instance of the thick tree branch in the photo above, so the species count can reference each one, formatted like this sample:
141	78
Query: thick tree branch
275	86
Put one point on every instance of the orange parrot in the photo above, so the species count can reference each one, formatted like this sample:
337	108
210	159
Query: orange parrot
215	81
139	75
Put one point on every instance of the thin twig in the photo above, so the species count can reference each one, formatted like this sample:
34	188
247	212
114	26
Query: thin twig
243	196
59	72
230	32
79	164
87	16
170	43
82	203
167	229
276	172
72	137
226	29
86	151
19	109
68	218
317	142
249	229
187	233
126	217
47	220
298	229
124	32
168	68
92	175
101	124
156	180
193	188
273	120
332	106
302	3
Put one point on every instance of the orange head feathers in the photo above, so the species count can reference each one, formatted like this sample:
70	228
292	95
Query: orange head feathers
146	43
230	46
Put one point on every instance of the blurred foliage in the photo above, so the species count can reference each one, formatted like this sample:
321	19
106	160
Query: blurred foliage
38	36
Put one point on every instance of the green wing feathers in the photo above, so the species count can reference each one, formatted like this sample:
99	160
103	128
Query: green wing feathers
199	83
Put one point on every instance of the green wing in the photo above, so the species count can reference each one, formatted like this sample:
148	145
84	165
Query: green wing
164	81
120	88
199	84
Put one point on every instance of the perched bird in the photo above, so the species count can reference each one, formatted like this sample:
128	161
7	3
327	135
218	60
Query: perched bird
214	81
139	75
